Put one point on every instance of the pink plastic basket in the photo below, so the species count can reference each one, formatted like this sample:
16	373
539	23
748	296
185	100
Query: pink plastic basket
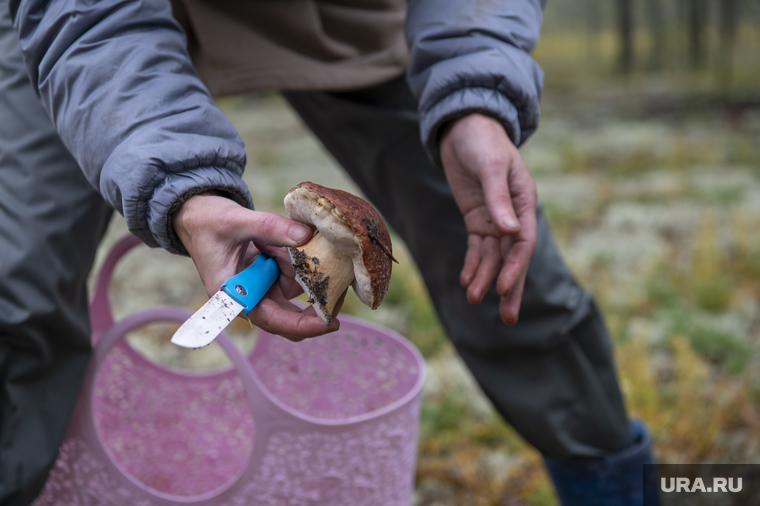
328	421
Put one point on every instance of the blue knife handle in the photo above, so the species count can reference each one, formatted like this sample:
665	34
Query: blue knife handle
249	286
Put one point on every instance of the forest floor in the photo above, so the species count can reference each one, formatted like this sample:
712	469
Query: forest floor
654	198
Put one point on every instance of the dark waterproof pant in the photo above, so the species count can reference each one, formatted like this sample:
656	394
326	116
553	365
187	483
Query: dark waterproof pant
551	375
51	221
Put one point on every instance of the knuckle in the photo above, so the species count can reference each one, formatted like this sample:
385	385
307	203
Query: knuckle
226	218
495	161
492	245
474	240
267	222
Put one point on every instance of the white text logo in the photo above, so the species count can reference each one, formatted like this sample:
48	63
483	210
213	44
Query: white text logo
685	485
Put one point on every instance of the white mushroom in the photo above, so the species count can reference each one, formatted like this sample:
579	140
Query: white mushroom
351	246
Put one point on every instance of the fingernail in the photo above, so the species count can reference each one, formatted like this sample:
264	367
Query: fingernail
298	232
510	223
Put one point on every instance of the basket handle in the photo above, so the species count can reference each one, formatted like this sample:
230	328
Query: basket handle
106	334
101	315
109	339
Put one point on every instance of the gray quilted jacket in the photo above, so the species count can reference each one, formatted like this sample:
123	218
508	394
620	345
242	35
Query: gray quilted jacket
117	81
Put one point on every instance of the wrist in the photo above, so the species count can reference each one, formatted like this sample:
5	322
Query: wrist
186	218
475	137
472	120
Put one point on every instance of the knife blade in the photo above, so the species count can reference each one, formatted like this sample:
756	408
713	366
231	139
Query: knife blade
239	293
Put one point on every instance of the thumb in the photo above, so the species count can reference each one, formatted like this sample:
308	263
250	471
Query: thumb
272	229
499	200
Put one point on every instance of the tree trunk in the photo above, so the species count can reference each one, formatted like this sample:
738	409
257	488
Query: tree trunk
696	27
656	15
593	26
728	26
625	31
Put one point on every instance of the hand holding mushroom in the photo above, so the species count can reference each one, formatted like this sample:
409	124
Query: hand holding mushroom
350	246
223	238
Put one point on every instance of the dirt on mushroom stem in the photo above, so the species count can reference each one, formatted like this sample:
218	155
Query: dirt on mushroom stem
317	281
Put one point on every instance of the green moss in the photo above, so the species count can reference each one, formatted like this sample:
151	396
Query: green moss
717	345
447	413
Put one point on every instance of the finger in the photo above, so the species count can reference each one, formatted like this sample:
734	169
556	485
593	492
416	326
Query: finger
285	301
487	270
294	325
268	228
296	306
275	294
478	221
287	279
248	252
339	304
290	287
516	260
214	277
471	260
282	258
499	198
516	252
524	194
509	307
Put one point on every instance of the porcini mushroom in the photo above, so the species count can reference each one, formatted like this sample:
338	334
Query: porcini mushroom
350	246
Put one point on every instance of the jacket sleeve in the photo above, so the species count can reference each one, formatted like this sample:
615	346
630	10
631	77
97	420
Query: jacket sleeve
116	79
472	56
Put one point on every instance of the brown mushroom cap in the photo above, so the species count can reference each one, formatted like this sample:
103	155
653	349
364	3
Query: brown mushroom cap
369	246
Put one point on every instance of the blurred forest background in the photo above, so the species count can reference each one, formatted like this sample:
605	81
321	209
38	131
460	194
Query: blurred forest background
647	162
716	39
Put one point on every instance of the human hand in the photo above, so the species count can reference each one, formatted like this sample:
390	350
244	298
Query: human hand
223	238
497	196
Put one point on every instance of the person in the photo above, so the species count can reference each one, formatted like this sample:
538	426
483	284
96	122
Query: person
102	107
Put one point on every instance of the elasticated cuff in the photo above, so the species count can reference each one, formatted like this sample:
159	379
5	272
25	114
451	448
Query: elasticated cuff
460	103
176	189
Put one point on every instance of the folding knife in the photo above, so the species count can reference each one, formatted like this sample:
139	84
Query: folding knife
240	293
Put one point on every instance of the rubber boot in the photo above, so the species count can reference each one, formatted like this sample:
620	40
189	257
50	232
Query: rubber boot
617	480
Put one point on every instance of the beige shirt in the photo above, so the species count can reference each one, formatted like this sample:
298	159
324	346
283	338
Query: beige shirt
239	46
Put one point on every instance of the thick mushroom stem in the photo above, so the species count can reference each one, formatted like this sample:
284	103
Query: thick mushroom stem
323	272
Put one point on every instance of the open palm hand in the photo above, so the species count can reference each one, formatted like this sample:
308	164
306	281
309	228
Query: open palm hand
497	196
